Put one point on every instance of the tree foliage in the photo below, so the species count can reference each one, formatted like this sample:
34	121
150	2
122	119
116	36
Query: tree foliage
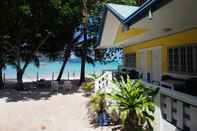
35	27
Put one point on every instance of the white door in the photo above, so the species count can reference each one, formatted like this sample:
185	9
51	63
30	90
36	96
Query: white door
156	64
143	62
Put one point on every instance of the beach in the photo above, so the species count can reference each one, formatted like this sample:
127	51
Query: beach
45	112
47	69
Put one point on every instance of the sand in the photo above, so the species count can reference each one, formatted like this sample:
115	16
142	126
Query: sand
56	112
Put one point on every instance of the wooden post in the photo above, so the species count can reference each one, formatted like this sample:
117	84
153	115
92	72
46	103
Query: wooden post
68	75
53	76
4	79
37	77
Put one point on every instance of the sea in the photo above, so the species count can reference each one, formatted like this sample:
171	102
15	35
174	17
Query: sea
50	70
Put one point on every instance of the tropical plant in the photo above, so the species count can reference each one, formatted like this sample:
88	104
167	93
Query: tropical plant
89	85
96	105
94	76
134	101
97	101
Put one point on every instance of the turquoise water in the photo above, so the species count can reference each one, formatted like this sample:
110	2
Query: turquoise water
46	70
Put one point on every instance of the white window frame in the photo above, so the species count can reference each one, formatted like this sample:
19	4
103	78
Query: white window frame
194	53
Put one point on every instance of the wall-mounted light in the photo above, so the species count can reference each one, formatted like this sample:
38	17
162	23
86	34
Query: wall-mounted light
125	28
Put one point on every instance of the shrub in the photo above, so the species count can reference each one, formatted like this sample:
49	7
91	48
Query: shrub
97	101
96	104
87	86
135	104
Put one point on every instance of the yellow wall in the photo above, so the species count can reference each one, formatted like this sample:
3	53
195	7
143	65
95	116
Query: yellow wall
178	39
123	35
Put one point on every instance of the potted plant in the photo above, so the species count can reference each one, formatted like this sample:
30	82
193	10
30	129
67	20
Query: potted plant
97	107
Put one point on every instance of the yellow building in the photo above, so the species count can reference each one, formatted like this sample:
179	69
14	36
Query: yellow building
159	37
159	40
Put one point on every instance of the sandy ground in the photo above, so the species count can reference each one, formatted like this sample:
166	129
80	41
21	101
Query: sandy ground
56	112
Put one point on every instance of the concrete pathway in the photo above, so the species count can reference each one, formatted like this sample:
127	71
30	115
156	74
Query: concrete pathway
56	113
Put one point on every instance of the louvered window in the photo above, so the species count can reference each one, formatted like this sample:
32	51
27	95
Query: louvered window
183	59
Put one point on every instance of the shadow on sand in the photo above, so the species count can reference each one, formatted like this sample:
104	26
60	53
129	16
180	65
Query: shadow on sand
12	95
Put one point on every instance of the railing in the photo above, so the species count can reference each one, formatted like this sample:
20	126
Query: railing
178	108
176	111
104	81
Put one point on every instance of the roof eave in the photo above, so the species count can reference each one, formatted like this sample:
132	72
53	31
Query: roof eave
143	9
115	13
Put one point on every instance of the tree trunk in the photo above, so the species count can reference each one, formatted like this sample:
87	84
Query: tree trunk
62	69
130	122
19	76
1	78
20	73
83	50
83	62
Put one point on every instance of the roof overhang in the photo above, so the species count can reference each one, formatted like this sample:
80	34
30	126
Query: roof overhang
114	15
174	17
152	5
110	29
168	18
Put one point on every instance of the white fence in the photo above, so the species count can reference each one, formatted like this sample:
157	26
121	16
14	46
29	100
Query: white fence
175	111
103	82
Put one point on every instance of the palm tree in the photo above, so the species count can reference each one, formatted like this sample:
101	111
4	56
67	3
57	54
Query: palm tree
134	99
64	39
85	50
68	48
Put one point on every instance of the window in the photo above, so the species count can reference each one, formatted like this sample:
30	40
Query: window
189	59
176	59
170	59
195	59
130	60
183	59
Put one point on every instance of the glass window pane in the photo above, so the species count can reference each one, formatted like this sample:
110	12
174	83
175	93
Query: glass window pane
131	60
189	59
195	59
183	61
170	59
176	60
